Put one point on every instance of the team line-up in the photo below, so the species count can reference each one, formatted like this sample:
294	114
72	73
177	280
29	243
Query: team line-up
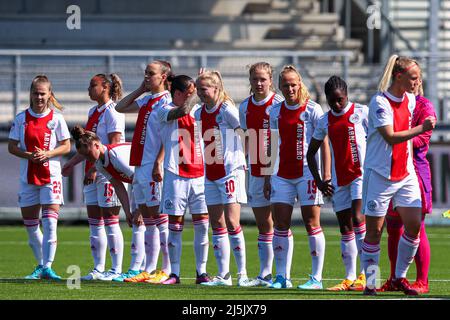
192	148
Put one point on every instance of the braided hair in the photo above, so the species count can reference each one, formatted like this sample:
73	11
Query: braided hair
335	83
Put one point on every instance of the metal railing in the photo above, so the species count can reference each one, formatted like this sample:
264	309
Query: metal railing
71	70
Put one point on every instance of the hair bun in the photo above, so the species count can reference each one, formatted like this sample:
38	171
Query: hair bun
77	132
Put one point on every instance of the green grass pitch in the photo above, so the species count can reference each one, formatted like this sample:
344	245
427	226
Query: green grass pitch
73	249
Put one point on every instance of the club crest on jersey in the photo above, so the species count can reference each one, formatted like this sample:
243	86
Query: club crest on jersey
51	124
168	204
268	109
355	118
304	116
219	118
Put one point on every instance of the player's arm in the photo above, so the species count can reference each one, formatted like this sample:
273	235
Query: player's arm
122	194
68	166
114	137
323	185
128	104
157	175
45	155
391	137
13	148
180	112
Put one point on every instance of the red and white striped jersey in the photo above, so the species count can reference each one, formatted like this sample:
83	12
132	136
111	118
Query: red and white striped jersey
295	126
181	139
115	164
392	162
254	117
109	121
104	120
146	138
43	131
222	146
347	132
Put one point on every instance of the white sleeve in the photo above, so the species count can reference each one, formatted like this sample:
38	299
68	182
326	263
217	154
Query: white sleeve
273	117
231	116
14	132
380	112
115	121
365	121
321	130
61	130
243	114
143	101
163	113
120	164
316	114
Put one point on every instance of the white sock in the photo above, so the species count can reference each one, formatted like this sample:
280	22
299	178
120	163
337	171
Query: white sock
175	246
349	254
370	257
137	247
283	247
152	244
98	242
360	234
316	241
407	248
201	244
162	223
34	238
115	242
265	252
221	245
237	243
49	239
290	254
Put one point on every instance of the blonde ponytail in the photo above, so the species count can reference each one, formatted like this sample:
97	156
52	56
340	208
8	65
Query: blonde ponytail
55	102
396	65
387	73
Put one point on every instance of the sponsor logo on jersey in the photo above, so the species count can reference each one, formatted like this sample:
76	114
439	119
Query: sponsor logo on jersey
51	124
380	113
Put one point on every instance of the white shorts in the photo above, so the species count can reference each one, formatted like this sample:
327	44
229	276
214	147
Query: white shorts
378	192
344	195
302	189
180	193
229	189
101	193
146	191
255	193
51	193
